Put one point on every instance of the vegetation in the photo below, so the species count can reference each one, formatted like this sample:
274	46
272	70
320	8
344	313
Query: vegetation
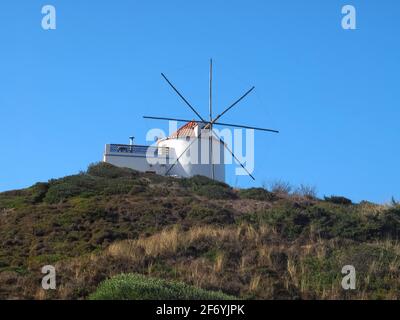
139	287
338	200
190	238
210	189
257	194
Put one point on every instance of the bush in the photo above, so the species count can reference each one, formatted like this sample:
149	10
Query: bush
139	287
14	198
206	215
327	221
309	192
62	189
39	191
215	192
200	181
257	194
211	189
121	186
390	223
281	187
100	179
338	200
106	170
289	221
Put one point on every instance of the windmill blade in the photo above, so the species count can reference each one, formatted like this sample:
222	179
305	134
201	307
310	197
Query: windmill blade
181	96
199	136
234	104
173	119
245	127
216	123
233	155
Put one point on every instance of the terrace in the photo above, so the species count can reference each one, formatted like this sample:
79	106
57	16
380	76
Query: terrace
136	150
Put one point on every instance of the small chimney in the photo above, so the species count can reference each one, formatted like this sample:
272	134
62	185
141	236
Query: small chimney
131	140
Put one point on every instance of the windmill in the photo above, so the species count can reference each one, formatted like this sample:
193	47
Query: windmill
208	124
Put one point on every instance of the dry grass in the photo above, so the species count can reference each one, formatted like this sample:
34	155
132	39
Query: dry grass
219	262
246	261
165	242
285	245
256	254
254	283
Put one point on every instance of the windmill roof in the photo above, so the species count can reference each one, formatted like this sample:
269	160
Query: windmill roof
187	130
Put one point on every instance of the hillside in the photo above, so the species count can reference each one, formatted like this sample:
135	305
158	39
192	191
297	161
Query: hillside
248	243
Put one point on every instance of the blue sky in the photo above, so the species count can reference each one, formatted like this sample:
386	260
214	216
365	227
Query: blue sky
332	93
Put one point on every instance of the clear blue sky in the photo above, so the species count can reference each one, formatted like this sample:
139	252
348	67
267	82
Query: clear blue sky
333	93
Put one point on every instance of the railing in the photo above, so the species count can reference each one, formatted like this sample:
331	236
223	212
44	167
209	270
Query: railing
138	150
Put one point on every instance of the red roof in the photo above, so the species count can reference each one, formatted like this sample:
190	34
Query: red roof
186	130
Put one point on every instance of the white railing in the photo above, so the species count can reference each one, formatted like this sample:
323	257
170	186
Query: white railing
137	150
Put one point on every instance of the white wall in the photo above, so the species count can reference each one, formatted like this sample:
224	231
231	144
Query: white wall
185	168
132	161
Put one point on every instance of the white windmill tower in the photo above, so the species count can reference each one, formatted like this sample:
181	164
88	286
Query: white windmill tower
193	135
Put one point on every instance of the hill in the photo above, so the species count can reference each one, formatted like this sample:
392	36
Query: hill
248	243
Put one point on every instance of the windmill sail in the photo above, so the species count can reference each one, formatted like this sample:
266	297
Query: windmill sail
208	125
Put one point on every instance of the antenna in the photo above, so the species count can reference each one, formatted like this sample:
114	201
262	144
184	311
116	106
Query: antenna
209	124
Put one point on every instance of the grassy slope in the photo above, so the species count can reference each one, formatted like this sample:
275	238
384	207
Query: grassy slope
248	243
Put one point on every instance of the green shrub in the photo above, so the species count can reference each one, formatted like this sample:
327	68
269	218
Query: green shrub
62	189
11	199
390	223
121	186
327	220
291	222
100	179
209	215
201	181
338	200
39	191
106	170
257	194
211	189
215	192
139	287
136	189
